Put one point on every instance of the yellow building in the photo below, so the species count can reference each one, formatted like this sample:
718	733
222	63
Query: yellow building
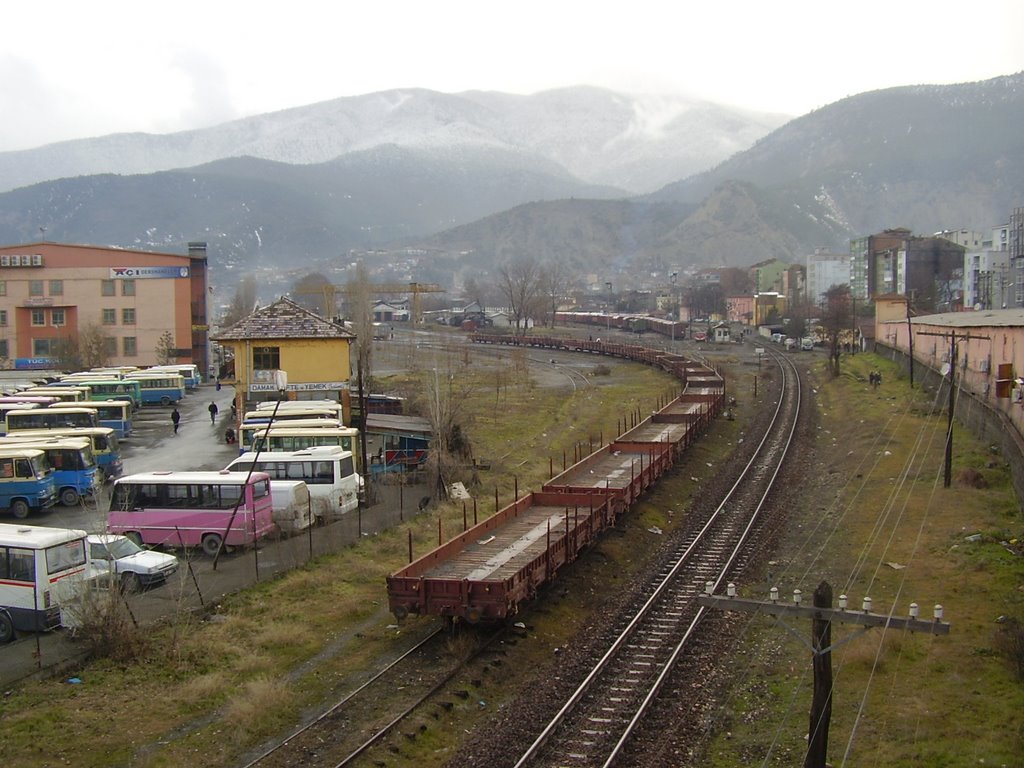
312	351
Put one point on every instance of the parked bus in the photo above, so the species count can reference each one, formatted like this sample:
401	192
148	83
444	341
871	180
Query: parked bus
284	405
28	400
116	414
39	567
192	509
26	481
328	471
188	371
75	472
289	414
248	429
290	438
53	417
159	388
104	445
102	390
7	407
70	395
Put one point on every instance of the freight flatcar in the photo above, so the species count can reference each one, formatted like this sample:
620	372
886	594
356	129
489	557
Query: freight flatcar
491	570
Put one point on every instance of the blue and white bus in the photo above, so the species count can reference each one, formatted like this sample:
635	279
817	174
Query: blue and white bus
39	567
159	388
26	481
116	414
75	472
188	371
104	445
114	389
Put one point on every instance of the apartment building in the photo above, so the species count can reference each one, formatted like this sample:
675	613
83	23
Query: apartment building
133	301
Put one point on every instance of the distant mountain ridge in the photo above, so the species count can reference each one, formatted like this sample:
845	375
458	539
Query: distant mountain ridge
924	157
636	143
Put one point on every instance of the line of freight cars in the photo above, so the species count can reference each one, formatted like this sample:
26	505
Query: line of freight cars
673	329
490	570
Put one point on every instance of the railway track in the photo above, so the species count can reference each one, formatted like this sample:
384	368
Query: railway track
598	722
364	717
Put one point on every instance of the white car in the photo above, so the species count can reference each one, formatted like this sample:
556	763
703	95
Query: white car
119	557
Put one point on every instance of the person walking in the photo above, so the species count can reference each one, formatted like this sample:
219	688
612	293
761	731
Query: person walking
213	413
175	418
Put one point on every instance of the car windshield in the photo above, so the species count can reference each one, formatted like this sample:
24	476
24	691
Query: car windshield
119	548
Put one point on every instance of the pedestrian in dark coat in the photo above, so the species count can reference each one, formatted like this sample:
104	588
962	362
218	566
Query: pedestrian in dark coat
213	413
175	418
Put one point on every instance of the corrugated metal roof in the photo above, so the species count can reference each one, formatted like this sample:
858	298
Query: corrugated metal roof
284	319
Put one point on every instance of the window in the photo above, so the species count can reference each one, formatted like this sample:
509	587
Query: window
56	287
127	287
38	317
128	316
3	348
109	346
129	346
57	317
40	347
107	288
266	358
35	287
3	317
110	317
3	287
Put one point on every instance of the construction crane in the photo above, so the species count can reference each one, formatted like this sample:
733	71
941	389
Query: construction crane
330	291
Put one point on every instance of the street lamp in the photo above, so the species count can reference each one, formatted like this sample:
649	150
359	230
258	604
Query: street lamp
675	305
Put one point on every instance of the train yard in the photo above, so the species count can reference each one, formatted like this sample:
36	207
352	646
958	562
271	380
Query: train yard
468	580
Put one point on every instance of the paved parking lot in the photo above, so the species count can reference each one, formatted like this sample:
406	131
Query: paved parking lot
199	445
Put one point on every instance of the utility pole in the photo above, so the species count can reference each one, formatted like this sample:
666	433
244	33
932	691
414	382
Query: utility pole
947	465
822	614
910	341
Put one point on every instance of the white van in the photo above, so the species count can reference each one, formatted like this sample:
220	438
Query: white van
328	470
293	507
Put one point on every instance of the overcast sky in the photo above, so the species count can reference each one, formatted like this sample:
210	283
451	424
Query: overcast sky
74	69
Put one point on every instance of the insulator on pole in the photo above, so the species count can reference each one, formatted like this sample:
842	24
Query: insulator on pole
914	610
866	605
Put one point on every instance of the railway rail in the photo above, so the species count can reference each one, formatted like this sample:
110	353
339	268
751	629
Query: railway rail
598	722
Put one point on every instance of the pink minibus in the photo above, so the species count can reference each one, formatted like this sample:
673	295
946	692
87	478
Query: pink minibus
192	509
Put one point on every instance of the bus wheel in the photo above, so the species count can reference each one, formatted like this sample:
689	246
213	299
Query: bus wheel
6	628
134	537
211	544
69	497
165	400
19	508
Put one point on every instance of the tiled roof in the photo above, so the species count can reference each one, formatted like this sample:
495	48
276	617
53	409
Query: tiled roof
284	319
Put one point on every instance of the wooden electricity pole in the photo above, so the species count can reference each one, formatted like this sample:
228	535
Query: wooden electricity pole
822	614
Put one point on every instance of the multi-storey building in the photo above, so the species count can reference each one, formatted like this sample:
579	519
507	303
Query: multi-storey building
825	269
138	304
930	269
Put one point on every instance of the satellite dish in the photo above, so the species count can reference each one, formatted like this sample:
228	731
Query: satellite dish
945	369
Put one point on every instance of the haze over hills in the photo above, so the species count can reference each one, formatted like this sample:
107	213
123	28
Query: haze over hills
636	143
441	178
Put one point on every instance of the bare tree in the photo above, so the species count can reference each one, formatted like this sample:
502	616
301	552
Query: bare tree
444	396
243	303
520	284
165	349
836	317
360	307
89	348
315	292
556	282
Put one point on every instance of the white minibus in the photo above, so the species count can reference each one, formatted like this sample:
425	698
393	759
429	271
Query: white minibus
328	471
40	568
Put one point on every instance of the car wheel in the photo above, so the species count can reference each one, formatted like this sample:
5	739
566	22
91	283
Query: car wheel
211	544
19	508
130	582
134	537
69	497
6	628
